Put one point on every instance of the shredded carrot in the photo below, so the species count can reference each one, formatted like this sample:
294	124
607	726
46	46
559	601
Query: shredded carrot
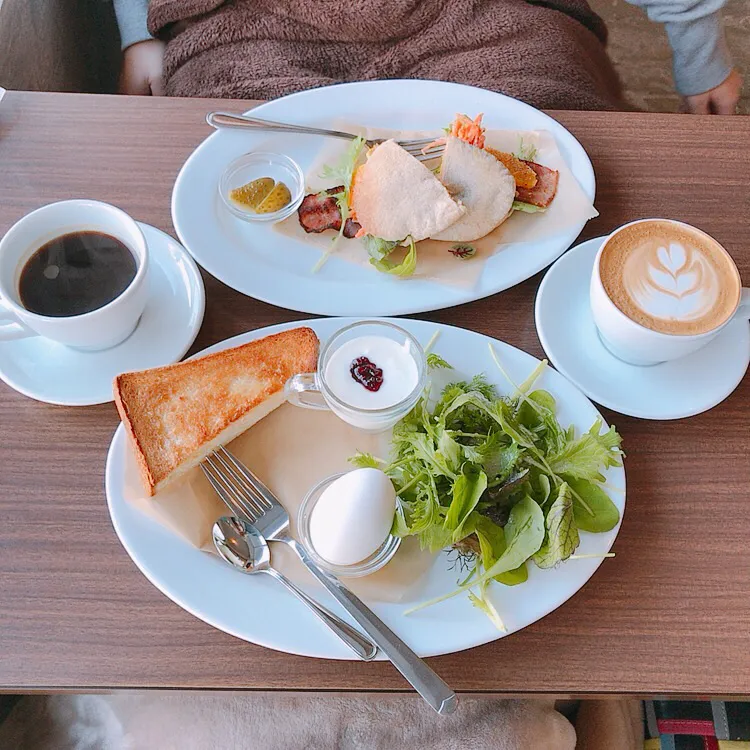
438	142
469	130
466	129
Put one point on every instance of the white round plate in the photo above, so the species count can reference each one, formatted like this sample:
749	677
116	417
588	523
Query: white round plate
262	612
258	261
671	390
50	372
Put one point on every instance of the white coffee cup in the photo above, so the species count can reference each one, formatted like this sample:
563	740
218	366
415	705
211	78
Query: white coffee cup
98	329
636	344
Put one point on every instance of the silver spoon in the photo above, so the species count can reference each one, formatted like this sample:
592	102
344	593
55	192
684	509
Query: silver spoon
245	549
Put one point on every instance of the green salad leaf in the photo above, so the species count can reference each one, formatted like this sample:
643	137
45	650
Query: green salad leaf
436	362
562	537
526	151
467	489
378	248
499	478
527	208
594	512
341	173
405	268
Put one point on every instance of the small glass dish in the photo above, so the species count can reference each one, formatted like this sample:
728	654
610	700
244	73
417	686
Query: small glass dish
259	164
375	561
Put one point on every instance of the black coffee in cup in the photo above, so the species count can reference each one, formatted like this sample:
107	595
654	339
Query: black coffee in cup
76	273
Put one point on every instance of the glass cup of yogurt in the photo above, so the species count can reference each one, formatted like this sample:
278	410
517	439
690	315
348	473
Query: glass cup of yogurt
370	374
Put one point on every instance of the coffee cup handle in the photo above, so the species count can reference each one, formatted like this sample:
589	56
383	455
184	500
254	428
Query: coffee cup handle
299	386
11	327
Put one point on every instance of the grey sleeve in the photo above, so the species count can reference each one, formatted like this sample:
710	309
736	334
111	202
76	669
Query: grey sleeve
131	19
701	59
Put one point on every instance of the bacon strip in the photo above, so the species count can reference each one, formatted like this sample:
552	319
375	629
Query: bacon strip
319	212
545	189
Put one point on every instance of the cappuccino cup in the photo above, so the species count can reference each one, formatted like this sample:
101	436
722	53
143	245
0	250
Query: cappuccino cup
661	290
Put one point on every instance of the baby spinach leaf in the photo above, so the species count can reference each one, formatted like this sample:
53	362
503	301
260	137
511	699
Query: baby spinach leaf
524	534
562	537
604	515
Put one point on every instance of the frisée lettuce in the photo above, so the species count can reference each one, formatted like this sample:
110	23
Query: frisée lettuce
498	479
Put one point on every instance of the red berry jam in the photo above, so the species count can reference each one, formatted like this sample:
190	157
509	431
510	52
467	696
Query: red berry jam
367	373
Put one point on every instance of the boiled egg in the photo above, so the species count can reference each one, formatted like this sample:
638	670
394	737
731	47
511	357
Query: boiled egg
353	516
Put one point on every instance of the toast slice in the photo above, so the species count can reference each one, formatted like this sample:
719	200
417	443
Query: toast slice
176	415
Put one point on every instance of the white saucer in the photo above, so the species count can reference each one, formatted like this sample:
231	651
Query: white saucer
671	390
50	372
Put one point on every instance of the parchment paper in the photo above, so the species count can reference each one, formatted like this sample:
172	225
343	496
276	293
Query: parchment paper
571	206
291	450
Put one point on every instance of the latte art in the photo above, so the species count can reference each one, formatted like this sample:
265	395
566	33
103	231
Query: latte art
670	280
670	277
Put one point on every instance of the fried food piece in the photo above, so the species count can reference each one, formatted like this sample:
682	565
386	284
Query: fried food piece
523	174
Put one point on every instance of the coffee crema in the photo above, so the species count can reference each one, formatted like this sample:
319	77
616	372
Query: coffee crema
75	274
670	278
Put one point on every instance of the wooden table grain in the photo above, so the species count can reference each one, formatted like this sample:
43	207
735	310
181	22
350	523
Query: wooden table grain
669	615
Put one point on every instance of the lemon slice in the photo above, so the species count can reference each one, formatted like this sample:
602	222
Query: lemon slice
253	193
275	200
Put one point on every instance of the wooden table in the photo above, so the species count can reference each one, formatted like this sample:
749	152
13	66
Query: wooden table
669	615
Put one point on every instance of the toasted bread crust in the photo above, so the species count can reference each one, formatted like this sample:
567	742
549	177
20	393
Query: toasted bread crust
176	414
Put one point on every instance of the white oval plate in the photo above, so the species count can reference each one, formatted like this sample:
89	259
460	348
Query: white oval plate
258	261
206	587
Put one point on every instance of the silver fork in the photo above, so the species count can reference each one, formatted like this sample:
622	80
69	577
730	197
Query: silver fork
262	509
362	646
417	147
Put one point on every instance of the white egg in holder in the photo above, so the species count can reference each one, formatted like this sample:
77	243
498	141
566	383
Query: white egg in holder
345	522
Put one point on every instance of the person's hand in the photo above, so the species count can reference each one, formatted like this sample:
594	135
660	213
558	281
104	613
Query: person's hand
721	100
142	66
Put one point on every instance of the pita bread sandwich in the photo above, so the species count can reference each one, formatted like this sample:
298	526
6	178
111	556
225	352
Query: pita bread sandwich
394	196
481	184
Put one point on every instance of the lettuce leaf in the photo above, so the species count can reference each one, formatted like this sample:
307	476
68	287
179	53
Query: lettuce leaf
341	173
467	489
562	537
436	362
582	458
378	248
527	208
499	478
405	268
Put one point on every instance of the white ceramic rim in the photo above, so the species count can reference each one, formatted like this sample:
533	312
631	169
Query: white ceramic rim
624	318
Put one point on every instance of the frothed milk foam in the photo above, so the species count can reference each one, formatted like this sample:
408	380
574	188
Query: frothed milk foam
670	278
